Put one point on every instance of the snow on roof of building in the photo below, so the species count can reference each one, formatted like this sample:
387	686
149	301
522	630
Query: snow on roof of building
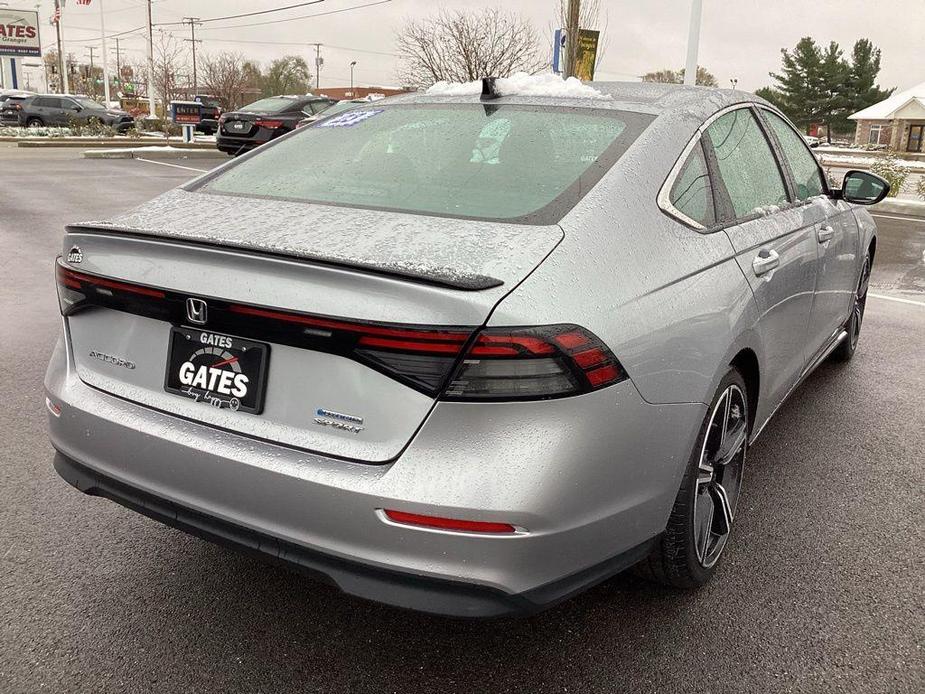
885	109
522	84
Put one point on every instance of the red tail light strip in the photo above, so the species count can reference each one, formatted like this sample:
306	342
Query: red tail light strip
75	280
449	523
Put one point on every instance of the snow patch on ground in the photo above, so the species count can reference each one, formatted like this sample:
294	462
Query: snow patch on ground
834	160
522	84
144	148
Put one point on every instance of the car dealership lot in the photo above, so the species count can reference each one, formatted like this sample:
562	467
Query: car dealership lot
820	590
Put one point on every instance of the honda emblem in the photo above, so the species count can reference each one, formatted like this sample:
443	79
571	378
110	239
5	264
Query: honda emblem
197	311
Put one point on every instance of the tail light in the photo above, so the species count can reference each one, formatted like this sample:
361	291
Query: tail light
457	363
76	289
267	123
532	364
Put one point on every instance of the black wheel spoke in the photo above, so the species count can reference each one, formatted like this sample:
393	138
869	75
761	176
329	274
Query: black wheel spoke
722	518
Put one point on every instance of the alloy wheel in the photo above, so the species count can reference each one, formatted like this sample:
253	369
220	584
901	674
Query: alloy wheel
719	475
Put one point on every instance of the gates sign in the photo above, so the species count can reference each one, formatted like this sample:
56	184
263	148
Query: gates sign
19	34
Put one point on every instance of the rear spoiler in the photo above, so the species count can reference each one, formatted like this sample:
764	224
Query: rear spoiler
439	276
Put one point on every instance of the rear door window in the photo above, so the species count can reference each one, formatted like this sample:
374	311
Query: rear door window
746	164
803	165
692	194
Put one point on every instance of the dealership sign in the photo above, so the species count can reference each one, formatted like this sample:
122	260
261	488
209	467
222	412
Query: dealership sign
19	33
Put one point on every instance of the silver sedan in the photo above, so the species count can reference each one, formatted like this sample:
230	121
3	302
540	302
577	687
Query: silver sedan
464	352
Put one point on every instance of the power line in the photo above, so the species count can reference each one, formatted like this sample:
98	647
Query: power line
304	16
252	14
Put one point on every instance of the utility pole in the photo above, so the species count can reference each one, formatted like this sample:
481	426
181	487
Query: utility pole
353	64
572	28
319	61
63	86
193	23
89	82
105	57
118	64
152	111
693	43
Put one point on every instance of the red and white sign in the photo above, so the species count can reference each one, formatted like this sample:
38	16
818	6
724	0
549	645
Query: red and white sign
19	34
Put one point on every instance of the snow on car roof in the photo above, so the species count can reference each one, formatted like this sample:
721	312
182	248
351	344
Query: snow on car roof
522	84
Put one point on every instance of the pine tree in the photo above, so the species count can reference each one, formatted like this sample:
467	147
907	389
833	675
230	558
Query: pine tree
863	90
801	82
835	103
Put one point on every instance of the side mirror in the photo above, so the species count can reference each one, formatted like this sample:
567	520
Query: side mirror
78	109
863	188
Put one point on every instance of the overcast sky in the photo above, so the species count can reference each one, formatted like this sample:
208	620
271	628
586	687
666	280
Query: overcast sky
740	38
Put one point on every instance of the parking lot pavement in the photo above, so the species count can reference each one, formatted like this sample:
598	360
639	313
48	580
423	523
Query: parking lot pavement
821	588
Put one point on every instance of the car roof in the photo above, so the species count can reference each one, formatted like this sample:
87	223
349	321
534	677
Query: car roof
669	100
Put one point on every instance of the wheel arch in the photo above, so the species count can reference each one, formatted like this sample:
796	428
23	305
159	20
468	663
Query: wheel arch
746	361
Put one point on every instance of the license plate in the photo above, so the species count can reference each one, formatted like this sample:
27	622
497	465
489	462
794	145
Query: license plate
218	370
238	125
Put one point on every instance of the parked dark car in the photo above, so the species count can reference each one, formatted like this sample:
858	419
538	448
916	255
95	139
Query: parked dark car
62	110
258	123
9	107
211	112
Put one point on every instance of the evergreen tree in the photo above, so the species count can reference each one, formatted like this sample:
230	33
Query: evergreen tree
800	82
775	98
862	76
835	103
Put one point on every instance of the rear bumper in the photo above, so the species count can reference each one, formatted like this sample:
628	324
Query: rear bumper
440	596
591	480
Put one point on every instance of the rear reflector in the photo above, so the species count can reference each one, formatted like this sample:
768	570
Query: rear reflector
467	526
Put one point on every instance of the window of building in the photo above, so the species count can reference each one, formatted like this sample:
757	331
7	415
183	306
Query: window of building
880	134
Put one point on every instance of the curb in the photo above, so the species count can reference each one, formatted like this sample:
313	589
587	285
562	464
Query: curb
910	208
152	153
107	144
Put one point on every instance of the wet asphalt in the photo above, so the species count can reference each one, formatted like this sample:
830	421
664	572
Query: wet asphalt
821	588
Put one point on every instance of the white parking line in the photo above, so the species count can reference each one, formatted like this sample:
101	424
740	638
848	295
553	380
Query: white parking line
176	166
902	219
897	299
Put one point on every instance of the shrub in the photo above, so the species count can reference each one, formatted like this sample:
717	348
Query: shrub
891	169
920	188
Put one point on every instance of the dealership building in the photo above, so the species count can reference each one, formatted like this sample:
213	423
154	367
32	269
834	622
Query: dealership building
897	122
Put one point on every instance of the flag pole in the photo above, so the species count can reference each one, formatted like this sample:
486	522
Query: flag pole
105	56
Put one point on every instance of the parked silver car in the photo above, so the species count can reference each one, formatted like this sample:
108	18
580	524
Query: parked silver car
463	354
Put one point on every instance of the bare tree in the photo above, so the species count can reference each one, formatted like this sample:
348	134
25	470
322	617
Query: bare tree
230	77
705	78
169	61
464	45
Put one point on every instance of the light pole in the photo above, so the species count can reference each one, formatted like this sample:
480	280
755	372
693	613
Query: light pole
352	65
734	81
693	43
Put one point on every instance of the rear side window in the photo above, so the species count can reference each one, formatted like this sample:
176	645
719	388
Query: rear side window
499	162
692	194
802	163
746	164
46	102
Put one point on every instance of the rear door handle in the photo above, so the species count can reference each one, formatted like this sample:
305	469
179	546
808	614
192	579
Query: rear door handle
825	233
765	261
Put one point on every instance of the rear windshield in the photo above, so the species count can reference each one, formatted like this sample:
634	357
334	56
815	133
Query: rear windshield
514	163
272	105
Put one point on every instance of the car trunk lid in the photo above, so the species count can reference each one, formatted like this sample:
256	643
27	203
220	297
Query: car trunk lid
269	275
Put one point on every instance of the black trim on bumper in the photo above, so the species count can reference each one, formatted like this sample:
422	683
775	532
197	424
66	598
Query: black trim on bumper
401	589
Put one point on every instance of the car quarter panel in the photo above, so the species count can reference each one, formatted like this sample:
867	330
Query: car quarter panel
670	301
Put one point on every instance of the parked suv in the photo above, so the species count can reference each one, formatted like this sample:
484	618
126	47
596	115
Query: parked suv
211	111
58	109
263	120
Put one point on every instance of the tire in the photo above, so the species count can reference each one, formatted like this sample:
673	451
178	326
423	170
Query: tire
688	552
34	122
846	349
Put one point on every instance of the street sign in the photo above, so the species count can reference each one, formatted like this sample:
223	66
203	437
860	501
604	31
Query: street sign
587	54
560	38
19	34
186	112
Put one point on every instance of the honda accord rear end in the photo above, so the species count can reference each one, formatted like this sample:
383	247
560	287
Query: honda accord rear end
352	368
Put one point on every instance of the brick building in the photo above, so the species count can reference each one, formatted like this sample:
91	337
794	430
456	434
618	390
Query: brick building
358	92
897	122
